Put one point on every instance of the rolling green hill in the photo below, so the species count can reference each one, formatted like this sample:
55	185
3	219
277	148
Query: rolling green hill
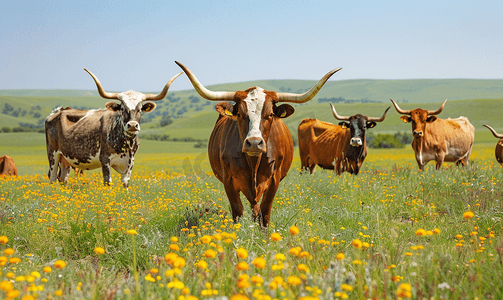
194	117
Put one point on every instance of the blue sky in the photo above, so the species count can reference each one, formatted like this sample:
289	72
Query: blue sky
133	44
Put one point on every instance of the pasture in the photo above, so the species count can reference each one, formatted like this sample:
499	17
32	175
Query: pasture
391	232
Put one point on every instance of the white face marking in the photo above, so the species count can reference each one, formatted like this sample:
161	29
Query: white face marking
131	98
255	103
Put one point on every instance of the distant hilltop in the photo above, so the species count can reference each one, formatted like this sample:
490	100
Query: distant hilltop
360	90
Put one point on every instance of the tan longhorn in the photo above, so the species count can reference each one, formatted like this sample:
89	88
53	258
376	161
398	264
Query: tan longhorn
448	140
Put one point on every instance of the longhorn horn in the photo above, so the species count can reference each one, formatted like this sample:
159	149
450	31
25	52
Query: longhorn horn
374	119
204	92
100	88
161	95
436	112
302	98
496	135
337	115
399	110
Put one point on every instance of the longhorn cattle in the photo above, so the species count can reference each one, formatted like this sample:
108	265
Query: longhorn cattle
438	139
341	147
251	149
89	139
499	146
7	166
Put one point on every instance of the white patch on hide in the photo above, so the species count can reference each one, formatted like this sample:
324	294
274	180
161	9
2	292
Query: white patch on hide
120	164
94	162
255	103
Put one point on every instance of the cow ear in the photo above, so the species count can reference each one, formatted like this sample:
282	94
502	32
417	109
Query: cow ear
406	119
113	106
431	119
225	109
344	125
371	124
284	110
148	107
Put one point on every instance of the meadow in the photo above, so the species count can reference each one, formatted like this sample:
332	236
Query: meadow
392	232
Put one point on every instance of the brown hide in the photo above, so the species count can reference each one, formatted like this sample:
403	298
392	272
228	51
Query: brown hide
324	144
448	140
7	166
250	148
255	176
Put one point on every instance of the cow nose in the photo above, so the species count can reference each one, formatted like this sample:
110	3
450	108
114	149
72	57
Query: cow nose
133	126
356	141
418	133
254	146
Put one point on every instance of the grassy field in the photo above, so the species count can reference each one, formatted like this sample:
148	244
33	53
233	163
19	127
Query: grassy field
392	232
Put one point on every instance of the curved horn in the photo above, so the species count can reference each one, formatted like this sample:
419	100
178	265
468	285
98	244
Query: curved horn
161	95
399	110
436	112
374	119
100	87
204	92
337	116
497	135
302	98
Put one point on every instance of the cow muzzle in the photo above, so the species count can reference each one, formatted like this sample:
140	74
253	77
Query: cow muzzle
356	142
132	126
254	146
417	133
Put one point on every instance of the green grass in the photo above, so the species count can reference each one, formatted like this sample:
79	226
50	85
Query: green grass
173	194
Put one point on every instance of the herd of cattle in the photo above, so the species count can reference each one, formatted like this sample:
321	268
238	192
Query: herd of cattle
250	149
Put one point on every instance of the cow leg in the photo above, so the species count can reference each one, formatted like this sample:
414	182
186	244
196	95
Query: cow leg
127	175
267	200
54	159
105	168
234	200
64	172
440	156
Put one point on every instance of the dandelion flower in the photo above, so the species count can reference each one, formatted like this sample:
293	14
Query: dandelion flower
421	232
132	232
279	256
293	230
4	240
356	243
242	266
259	263
59	264
293	280
346	287
9	251
99	250
276	237
174	239
340	256
202	264
47	270
210	253
239	297
468	215
242	253
404	290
